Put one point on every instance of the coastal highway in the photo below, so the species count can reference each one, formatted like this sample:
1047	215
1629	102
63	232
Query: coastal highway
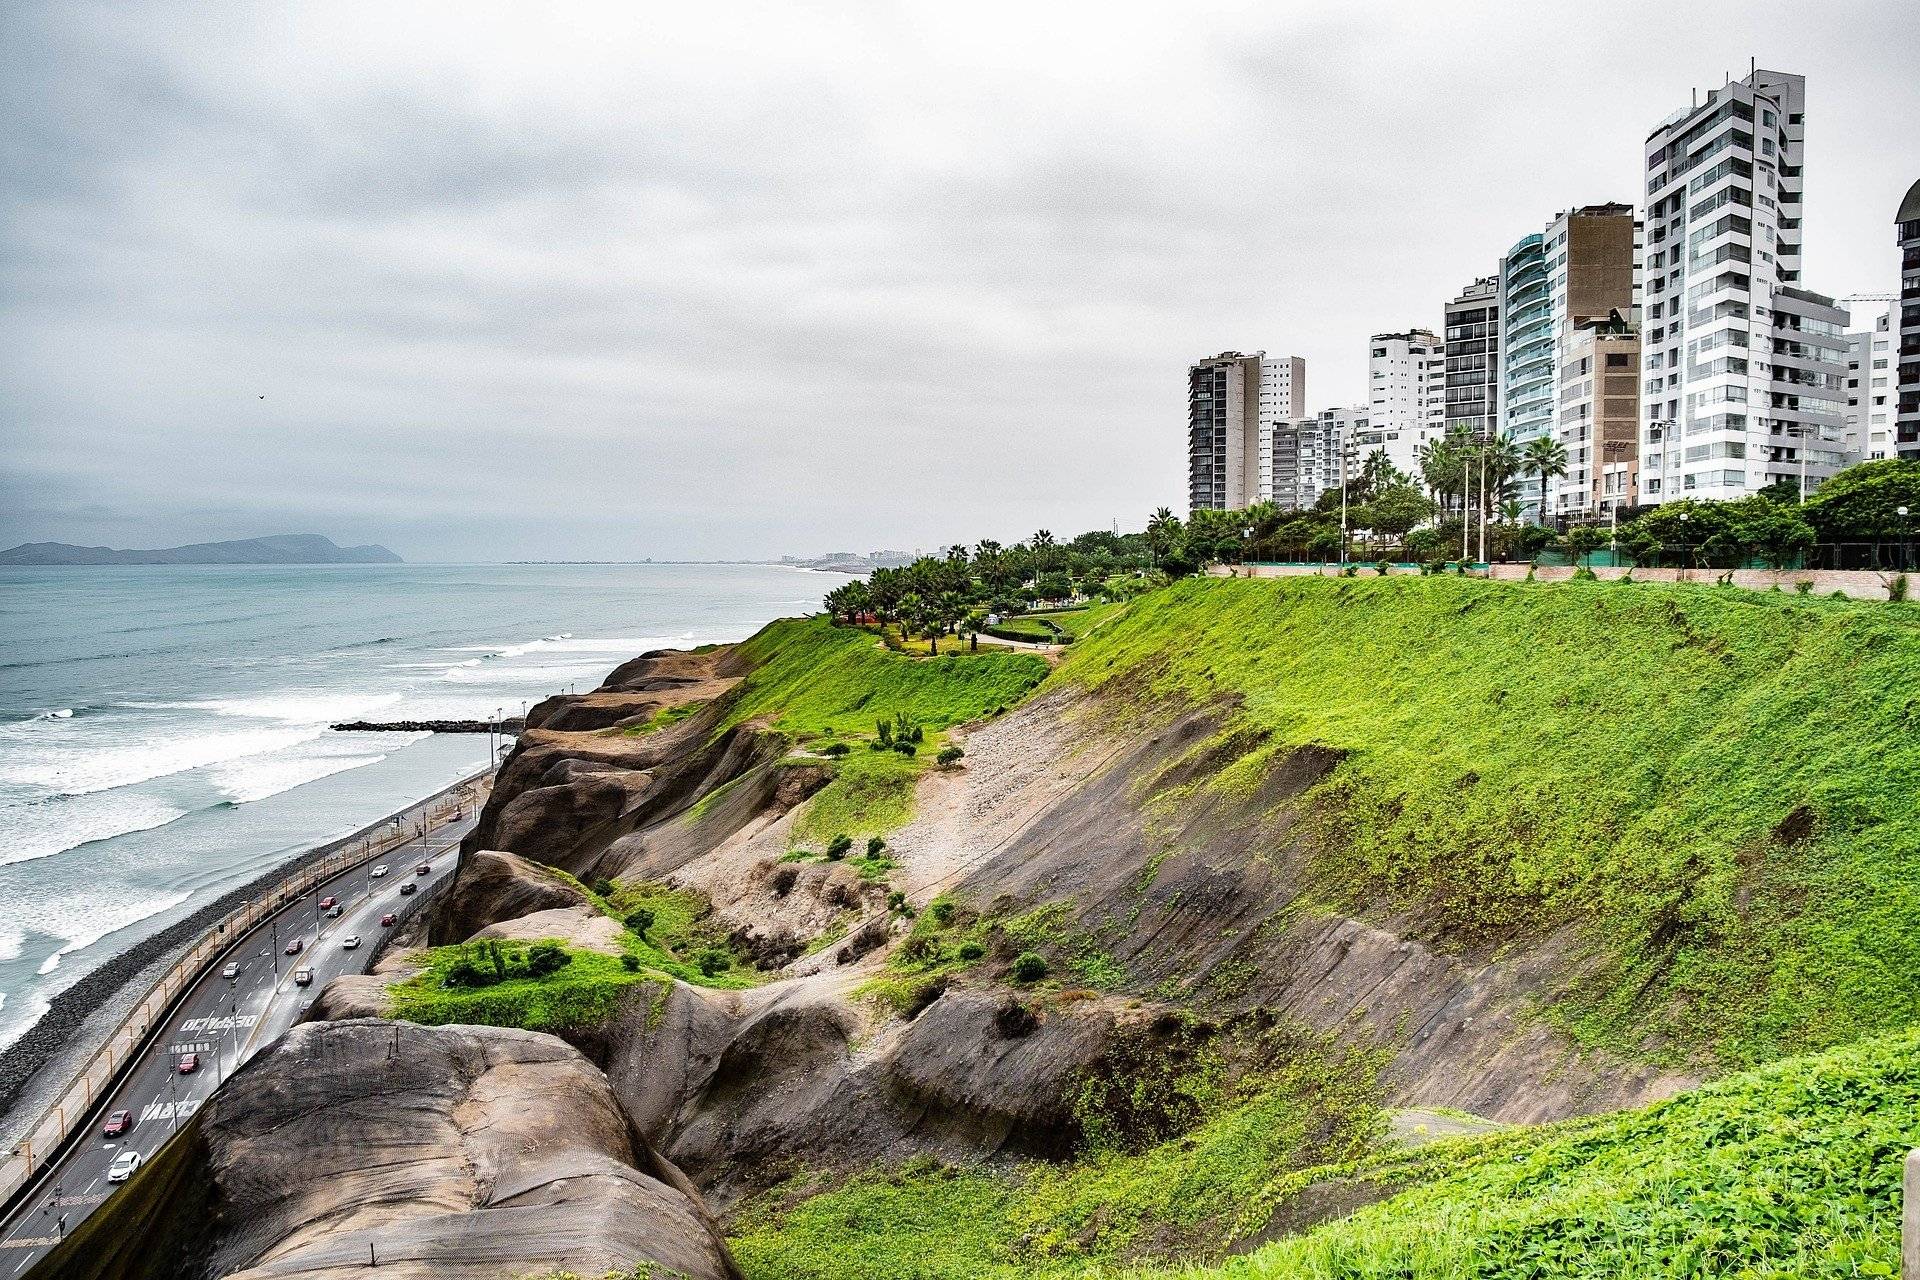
225	1021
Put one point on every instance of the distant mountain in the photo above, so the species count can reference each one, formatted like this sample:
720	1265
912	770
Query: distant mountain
282	548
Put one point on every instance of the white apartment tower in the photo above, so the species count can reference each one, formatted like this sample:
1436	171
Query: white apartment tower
1234	401
1870	391
1742	368
1407	384
1312	455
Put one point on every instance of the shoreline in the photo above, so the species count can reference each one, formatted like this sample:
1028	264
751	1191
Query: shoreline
96	996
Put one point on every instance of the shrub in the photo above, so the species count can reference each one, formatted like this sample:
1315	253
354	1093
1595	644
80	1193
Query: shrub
630	962
838	847
949	755
883	732
1029	967
712	961
875	845
971	951
906	748
896	900
1897	589
640	919
874	744
835	749
1351	571
942	909
1804	586
782	881
544	958
603	887
1383	566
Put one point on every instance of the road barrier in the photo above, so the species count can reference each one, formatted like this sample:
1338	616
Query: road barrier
103	1070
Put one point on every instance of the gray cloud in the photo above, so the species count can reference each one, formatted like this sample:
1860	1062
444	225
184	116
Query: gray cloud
609	281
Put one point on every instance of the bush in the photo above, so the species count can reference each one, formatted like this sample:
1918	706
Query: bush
906	748
603	887
835	749
1897	589
630	962
883	732
544	958
875	846
896	900
1029	967
949	755
639	920
971	951
942	909
782	881
1804	587
1383	566
713	961
874	744
838	847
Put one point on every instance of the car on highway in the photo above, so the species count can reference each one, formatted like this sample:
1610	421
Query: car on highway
379	871
232	970
407	887
350	943
329	901
123	1165
303	977
425	868
293	948
189	1063
118	1123
333	912
386	921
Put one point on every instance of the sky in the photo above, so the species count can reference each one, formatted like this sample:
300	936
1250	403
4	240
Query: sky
491	281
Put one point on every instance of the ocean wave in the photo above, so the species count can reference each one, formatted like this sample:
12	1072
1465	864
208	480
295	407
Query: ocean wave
85	768
12	939
288	707
246	781
53	826
102	919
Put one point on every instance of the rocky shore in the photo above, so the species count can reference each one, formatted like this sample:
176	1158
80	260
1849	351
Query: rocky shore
512	724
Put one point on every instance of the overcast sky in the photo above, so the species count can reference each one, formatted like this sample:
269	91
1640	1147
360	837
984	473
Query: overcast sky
495	281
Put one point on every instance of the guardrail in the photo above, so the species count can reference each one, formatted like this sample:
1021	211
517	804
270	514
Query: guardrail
72	1108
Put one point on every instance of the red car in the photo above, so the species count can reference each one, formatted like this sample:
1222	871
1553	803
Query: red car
117	1124
386	921
293	948
189	1063
328	901
424	868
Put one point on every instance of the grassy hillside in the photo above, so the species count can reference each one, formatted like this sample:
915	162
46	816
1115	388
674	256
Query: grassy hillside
1792	1170
827	685
1716	788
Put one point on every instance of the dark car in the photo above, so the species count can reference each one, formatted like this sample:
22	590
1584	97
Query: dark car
425	868
407	886
189	1063
117	1124
293	948
386	921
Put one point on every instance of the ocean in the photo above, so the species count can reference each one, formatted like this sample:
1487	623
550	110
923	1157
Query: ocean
163	730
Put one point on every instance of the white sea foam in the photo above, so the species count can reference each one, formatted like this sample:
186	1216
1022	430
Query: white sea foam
83	928
11	940
44	828
289	706
48	965
83	768
245	781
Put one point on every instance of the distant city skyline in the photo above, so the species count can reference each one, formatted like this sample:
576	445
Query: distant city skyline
476	283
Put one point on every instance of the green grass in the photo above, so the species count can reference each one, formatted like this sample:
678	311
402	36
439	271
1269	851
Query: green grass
584	994
820	683
1786	1172
923	1222
811	679
1715	788
661	719
1078	623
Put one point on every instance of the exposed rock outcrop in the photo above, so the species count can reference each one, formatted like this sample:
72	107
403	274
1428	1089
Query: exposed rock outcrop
443	1153
492	886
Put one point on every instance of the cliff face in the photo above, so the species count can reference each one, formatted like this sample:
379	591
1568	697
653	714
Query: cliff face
433	1152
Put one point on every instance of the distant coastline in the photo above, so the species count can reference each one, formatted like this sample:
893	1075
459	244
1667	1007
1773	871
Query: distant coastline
283	548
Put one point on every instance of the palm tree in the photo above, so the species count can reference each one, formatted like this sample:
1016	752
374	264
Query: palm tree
1162	528
1545	457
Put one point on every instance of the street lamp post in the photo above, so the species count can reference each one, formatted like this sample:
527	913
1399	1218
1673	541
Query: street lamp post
1906	538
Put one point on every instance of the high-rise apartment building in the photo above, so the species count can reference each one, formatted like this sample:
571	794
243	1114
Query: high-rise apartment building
1311	455
1407	381
1742	367
1579	271
1871	393
1233	402
1597	421
1906	420
1472	341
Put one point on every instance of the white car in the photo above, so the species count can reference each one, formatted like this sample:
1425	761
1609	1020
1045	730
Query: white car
232	970
350	943
378	871
123	1165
